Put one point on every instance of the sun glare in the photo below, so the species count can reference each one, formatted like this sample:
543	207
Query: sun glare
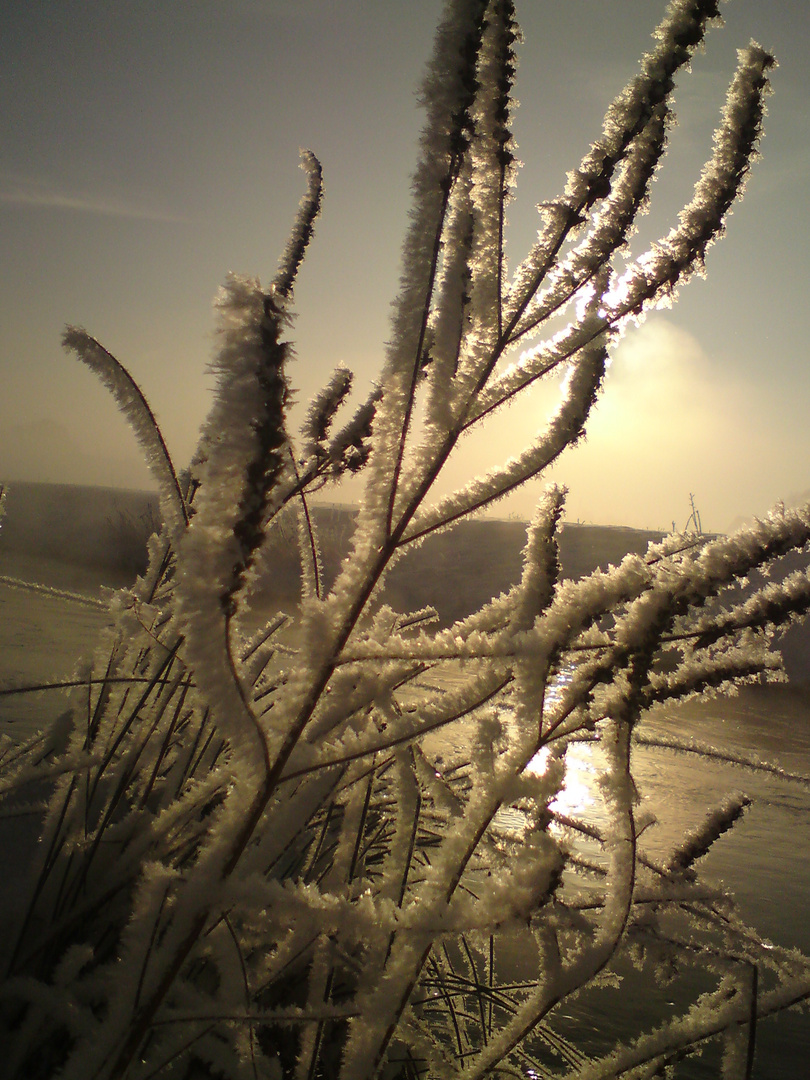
577	795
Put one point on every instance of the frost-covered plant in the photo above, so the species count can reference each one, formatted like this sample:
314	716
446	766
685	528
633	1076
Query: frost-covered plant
332	846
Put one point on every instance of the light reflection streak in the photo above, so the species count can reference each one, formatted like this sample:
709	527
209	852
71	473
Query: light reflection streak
577	794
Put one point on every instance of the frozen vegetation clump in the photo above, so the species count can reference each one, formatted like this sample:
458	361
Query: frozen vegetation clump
333	846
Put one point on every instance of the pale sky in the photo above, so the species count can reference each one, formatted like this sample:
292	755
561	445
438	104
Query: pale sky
150	146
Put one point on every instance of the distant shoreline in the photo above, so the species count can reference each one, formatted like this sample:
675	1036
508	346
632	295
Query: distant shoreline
77	537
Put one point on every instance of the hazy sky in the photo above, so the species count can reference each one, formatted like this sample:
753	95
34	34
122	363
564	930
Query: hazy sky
149	146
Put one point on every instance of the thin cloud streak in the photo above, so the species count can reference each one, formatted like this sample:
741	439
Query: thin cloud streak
54	200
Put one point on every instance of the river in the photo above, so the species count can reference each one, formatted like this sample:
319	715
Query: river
764	860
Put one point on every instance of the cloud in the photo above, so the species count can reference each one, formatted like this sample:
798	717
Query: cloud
41	194
674	420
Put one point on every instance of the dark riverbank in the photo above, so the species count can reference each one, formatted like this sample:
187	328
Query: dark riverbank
64	532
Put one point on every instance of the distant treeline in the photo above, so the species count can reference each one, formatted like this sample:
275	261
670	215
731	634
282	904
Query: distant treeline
109	528
457	571
86	526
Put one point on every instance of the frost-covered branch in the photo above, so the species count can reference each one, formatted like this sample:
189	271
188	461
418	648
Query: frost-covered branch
321	840
130	400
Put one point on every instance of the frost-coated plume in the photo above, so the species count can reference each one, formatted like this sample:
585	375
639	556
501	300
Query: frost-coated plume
301	839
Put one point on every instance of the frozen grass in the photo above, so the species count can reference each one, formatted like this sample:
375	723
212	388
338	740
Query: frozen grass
252	862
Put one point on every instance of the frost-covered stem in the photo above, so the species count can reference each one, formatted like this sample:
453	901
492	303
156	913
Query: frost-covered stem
303	229
491	690
243	457
713	1014
697	843
409	396
541	562
321	414
447	329
721	182
563	431
772	606
132	403
611	228
307	535
660	602
492	166
654	277
737	668
449	90
618	906
680	34
236	680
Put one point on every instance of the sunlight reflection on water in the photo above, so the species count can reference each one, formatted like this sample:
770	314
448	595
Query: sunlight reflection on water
578	794
763	861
